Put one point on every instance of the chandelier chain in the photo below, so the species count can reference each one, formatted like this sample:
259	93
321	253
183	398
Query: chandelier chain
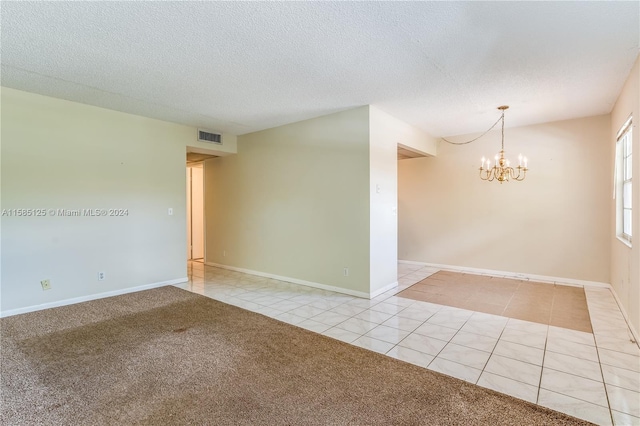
488	130
502	118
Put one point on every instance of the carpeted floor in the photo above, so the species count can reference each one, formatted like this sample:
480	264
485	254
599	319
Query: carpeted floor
559	305
167	356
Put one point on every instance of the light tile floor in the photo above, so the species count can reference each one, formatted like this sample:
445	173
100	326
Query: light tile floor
593	376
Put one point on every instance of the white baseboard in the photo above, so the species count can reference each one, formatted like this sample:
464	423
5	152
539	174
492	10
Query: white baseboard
514	275
626	317
384	289
293	280
87	298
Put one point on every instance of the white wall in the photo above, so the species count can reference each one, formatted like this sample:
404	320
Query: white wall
386	132
625	260
554	223
294	202
63	155
383	187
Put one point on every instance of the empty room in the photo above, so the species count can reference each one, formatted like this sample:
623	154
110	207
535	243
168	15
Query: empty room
319	213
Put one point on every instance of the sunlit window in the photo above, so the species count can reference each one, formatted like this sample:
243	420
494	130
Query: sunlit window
623	179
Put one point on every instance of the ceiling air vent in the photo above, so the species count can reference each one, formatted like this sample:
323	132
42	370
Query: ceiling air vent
210	137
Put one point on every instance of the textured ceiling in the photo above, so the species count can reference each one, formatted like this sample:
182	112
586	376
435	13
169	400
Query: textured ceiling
243	66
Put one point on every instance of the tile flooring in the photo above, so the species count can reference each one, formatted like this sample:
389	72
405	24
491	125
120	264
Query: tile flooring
593	376
554	304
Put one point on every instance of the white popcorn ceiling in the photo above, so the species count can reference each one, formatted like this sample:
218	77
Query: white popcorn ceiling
239	67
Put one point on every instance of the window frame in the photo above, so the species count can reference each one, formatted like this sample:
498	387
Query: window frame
624	178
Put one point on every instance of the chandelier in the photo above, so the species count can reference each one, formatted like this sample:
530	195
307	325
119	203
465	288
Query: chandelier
502	170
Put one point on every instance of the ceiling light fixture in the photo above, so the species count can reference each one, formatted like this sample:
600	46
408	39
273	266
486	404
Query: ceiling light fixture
502	170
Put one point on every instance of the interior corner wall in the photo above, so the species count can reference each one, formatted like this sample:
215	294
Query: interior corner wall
554	223
625	260
58	154
383	188
409	136
386	132
294	202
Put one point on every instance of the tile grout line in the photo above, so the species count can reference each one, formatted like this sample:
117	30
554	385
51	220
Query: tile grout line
362	335
491	353
544	354
606	391
440	351
629	333
510	299
403	339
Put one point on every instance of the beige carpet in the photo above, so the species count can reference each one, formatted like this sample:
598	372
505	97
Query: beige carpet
558	305
167	356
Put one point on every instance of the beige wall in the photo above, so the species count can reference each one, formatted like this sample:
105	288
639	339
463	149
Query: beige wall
58	154
553	223
625	260
294	202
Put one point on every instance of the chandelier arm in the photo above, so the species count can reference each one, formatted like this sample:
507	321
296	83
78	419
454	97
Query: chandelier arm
475	139
524	173
519	176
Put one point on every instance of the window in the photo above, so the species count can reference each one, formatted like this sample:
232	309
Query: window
623	179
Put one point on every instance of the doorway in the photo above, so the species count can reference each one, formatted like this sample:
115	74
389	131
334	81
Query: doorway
195	212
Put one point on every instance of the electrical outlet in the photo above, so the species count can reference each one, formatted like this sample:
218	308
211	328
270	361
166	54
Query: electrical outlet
346	272
224	253
101	276
170	211
46	284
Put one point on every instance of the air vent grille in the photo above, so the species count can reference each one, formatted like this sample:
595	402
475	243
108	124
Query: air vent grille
209	137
